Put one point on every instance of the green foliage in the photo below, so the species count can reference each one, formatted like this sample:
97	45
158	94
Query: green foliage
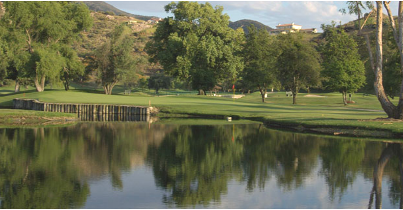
72	67
260	56
159	81
42	27
341	161
197	44
392	77
343	70
298	63
4	61
115	58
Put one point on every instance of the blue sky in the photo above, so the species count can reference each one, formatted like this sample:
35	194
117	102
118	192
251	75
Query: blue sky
308	14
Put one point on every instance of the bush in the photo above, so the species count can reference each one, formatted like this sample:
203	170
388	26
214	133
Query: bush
8	82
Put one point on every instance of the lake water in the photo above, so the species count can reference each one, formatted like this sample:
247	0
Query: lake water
178	165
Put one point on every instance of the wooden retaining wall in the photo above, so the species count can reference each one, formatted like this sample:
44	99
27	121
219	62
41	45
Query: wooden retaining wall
118	112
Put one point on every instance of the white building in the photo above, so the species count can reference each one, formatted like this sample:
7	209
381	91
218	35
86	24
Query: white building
290	28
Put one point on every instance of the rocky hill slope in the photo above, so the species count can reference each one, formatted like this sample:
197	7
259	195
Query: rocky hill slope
100	6
245	23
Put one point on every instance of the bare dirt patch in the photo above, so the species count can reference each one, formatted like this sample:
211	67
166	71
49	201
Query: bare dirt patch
386	120
317	96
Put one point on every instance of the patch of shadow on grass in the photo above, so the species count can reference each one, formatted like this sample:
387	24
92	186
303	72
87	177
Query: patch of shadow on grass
91	91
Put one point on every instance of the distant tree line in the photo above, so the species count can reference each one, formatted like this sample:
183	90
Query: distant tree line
201	48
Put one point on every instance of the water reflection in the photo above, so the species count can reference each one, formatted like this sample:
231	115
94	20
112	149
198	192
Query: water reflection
392	150
115	117
195	166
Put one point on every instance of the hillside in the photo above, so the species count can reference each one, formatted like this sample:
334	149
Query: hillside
103	25
100	6
245	23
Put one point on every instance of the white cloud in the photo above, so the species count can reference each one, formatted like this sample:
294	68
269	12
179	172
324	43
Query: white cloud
250	6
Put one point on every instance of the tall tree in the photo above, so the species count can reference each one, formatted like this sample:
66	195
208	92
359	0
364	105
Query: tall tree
72	67
342	68
115	58
158	81
197	44
260	56
43	26
298	63
392	110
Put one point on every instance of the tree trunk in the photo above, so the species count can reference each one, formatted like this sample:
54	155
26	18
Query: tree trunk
386	104
359	15
295	90
344	98
66	81
262	92
371	58
66	85
378	173
108	88
40	86
294	97
17	86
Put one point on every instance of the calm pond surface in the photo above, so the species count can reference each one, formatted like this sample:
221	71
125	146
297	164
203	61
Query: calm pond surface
140	165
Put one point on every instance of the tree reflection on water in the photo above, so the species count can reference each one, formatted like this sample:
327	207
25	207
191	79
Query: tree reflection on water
194	165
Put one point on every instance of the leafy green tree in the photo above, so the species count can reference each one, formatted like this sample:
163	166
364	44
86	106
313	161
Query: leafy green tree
197	44
4	61
298	63
158	81
142	83
260	56
115	58
391	72
42	26
342	68
72	67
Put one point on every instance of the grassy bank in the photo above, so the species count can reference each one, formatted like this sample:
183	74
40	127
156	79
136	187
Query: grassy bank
15	117
311	111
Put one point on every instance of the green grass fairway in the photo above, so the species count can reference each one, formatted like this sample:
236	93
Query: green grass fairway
328	110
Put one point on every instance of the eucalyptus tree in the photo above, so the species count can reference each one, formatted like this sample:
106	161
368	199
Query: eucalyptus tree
115	58
41	27
260	56
197	45
342	68
377	63
298	63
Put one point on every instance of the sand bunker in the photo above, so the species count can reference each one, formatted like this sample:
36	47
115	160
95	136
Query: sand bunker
309	95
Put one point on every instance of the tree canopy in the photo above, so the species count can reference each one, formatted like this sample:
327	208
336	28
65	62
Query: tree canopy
159	81
41	28
115	58
342	68
298	63
260	56
197	44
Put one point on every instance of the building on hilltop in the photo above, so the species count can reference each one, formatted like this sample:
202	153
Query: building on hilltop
291	28
155	20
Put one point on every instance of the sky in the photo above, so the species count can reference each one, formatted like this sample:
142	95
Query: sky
271	13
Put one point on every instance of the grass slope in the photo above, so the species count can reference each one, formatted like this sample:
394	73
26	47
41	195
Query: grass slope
310	111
